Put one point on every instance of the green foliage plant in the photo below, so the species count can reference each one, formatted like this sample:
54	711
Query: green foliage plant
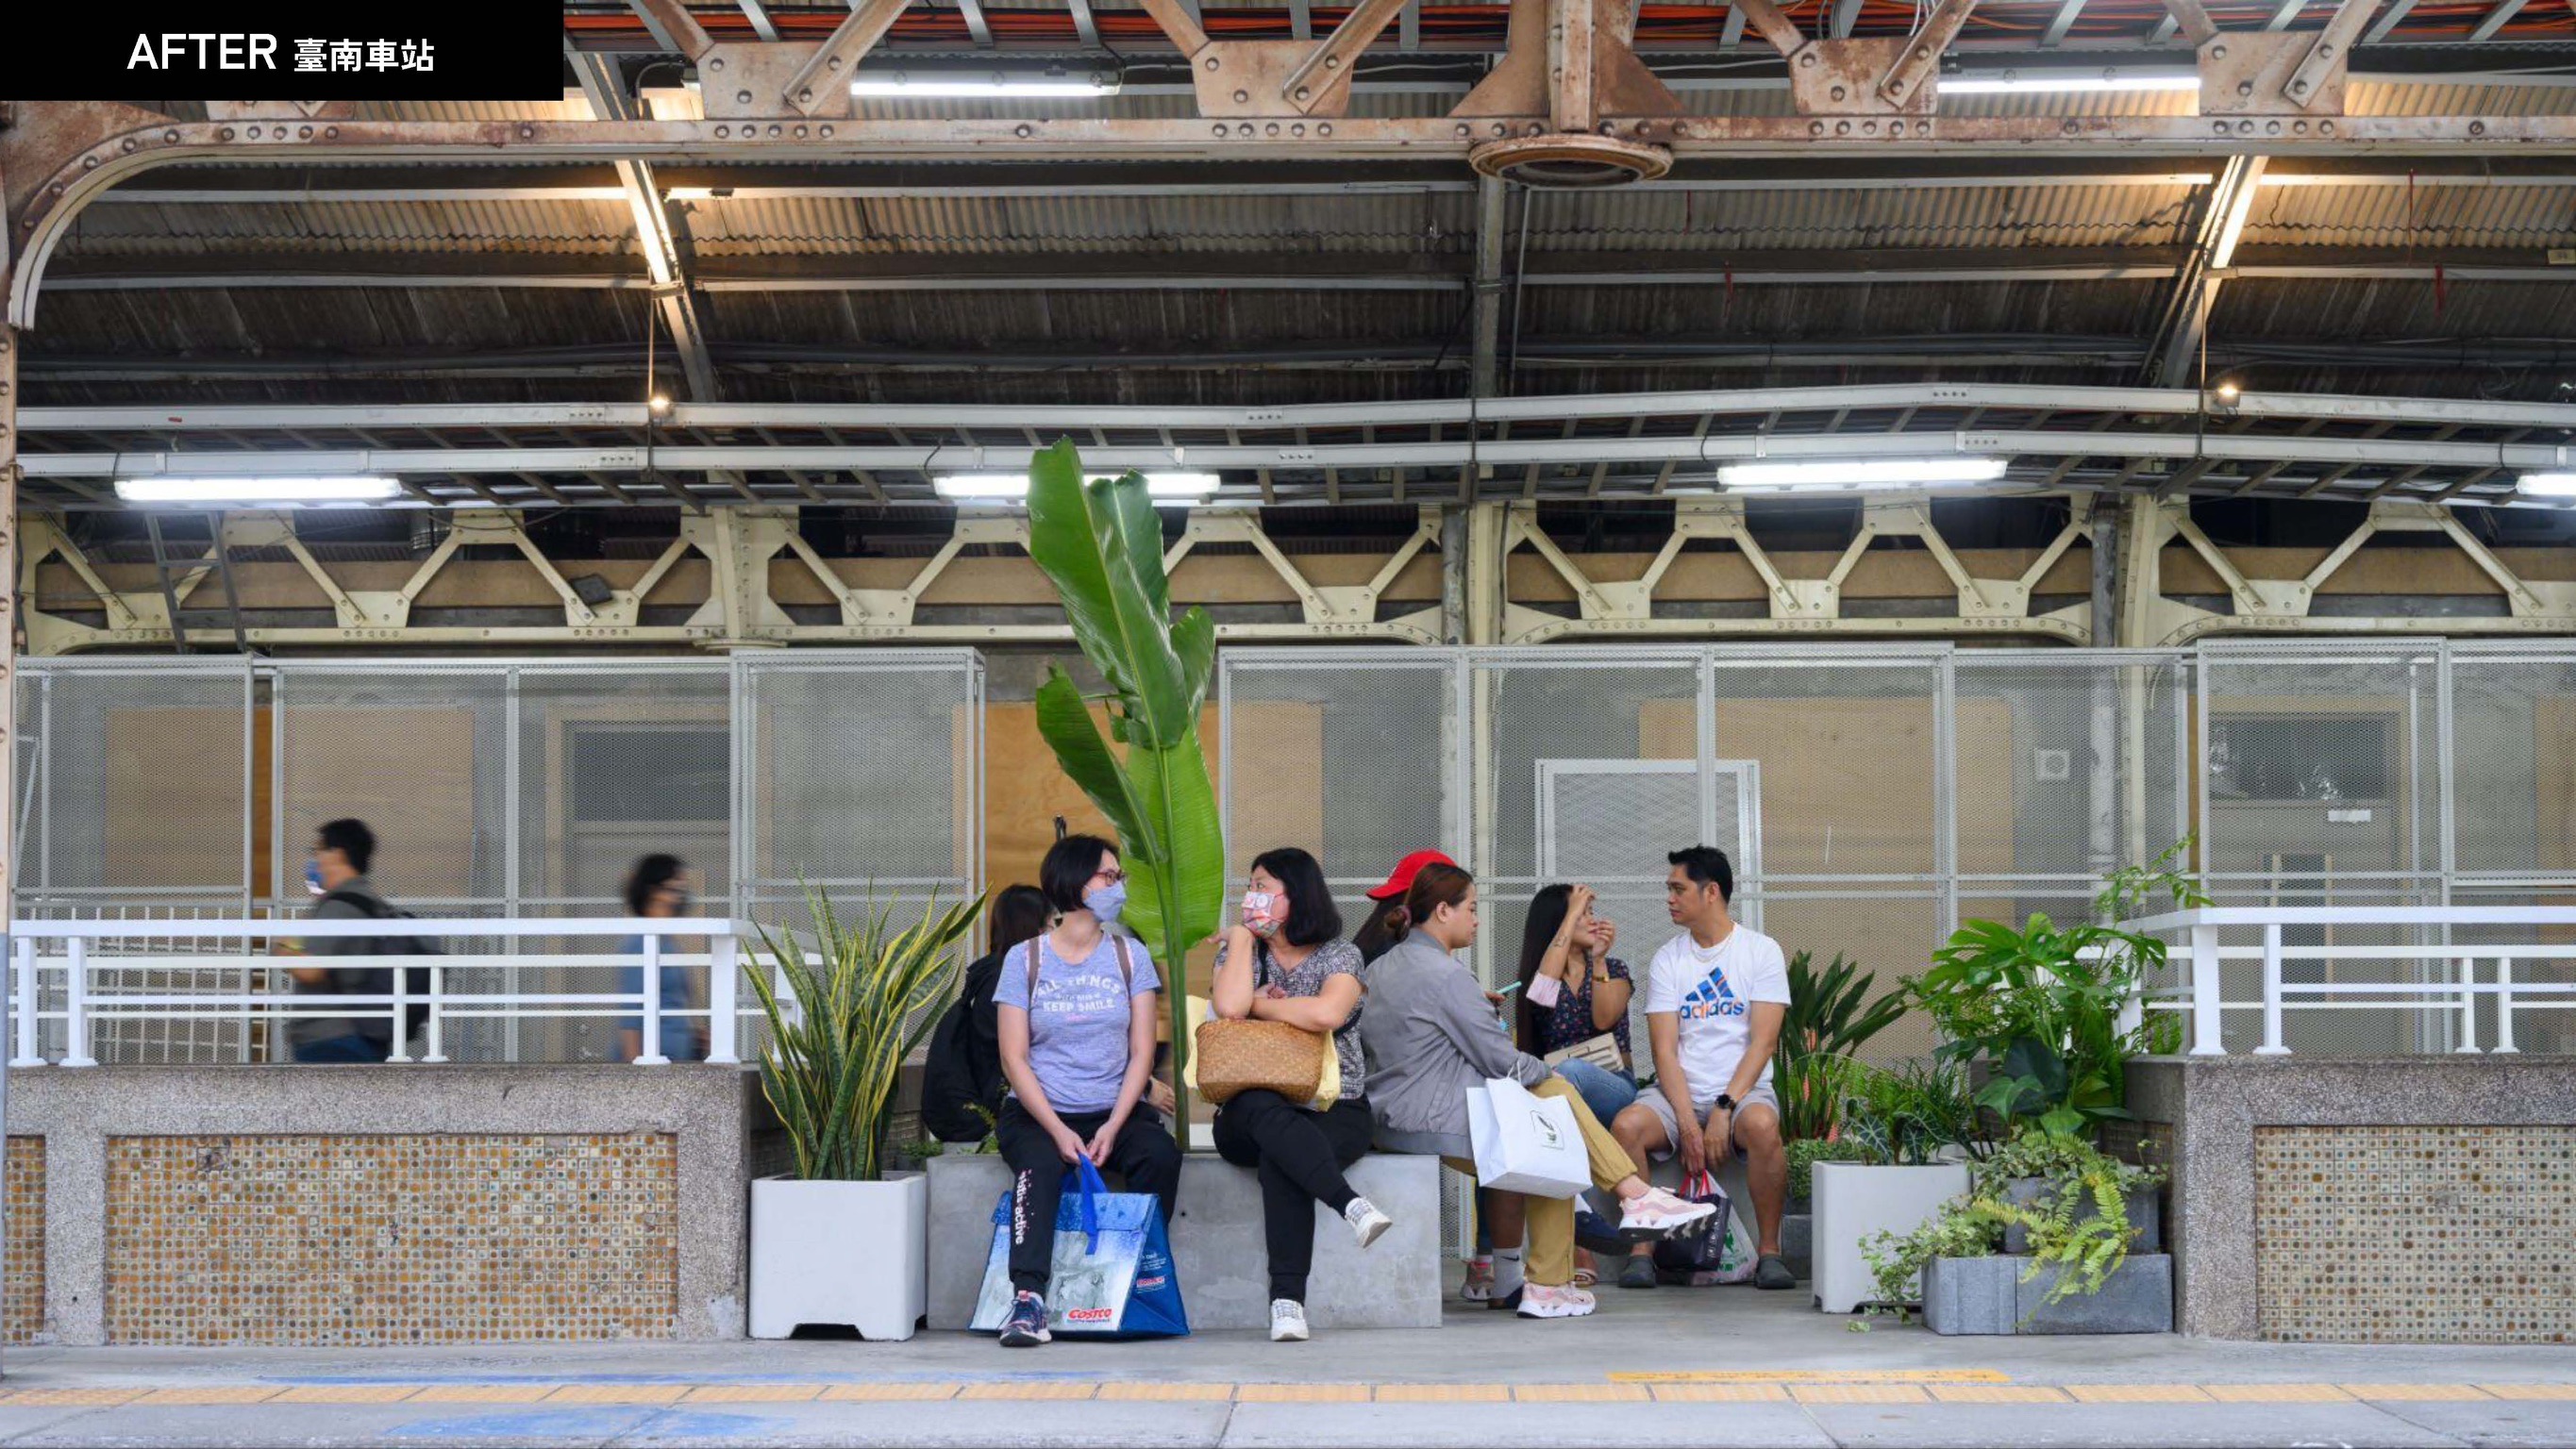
2078	1222
1909	1114
1100	543
1830	1015
861	1003
2042	1004
1806	1152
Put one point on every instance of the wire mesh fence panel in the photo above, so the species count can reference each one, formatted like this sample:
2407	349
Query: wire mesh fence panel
420	757
2513	764
859	776
1351	758
2067	767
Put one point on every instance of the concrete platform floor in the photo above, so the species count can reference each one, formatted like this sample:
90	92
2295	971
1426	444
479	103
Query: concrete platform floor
1725	1366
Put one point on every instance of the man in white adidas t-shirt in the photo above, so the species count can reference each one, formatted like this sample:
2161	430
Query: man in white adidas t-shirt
1715	997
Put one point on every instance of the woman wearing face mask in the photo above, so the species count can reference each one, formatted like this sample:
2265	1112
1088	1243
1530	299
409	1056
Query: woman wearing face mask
1076	1012
659	887
1285	961
1430	1037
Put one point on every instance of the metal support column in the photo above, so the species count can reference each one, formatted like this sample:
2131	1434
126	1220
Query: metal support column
8	711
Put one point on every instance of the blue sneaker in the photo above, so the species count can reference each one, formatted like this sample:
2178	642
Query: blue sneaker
1026	1325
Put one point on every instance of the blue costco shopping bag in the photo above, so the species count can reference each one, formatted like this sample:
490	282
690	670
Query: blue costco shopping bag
1112	1276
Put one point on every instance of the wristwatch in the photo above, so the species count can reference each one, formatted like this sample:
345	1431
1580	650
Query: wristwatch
1726	1101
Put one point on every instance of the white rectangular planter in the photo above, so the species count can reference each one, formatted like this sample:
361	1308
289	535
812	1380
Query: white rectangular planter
1855	1203
853	1253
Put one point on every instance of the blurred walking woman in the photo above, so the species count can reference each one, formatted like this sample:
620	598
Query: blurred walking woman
1076	1011
1285	961
658	887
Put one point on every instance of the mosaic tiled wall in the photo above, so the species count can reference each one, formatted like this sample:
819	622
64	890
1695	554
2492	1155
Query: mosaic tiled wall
390	1240
2415	1234
22	1314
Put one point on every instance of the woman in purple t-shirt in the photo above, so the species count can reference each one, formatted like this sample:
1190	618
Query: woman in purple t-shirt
1076	1012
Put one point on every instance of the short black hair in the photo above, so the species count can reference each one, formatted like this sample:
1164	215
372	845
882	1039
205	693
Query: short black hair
1707	865
1313	919
352	839
649	875
1020	912
1069	866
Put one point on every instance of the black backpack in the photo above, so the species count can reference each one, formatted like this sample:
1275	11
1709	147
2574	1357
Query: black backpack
416	981
962	1070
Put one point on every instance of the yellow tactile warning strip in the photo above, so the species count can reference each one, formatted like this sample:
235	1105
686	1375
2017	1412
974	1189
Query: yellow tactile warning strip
2277	1393
1444	1394
1043	1389
753	1393
1856	1393
1720	1394
1890	1386
1575	1393
618	1394
483	1393
1996	1394
2136	1394
212	1394
348	1394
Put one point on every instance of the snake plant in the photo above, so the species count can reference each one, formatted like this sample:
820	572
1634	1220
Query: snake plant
854	1011
1100	542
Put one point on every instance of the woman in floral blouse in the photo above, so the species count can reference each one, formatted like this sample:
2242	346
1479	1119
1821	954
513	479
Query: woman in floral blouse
1572	990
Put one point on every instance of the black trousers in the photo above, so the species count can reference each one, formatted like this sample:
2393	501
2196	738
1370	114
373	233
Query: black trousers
1144	1155
1300	1156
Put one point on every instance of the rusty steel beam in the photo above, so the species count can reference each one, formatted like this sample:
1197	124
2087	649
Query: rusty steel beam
1922	59
673	27
822	83
2194	20
2331	53
1779	29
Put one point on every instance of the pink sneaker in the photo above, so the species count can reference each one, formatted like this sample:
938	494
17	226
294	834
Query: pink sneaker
1541	1301
1657	1213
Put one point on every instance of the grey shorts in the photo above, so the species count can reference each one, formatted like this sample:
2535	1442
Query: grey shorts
1654	1100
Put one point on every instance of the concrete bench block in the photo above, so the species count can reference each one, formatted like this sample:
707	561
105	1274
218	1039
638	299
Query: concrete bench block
1218	1247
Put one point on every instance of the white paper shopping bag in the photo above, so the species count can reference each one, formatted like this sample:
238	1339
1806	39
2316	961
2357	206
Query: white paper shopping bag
1525	1143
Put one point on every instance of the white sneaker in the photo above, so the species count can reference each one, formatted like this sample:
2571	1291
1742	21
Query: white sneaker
1367	1223
1658	1213
1540	1301
1287	1321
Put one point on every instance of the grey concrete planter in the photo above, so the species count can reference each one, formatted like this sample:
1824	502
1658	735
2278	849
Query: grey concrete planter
2145	1214
1989	1296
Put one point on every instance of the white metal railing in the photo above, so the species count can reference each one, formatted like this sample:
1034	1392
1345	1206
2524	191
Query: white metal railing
89	965
2447	975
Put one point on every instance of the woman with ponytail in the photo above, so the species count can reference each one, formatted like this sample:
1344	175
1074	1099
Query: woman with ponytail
1430	1036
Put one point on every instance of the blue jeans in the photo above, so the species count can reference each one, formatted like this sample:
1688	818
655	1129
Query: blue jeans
1606	1093
343	1049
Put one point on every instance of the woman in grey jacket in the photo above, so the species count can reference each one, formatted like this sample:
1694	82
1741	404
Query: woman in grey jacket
1429	1035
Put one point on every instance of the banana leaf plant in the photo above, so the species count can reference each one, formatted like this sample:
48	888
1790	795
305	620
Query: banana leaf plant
851	1013
1100	542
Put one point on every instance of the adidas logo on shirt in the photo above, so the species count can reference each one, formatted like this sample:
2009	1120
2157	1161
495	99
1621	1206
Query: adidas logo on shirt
1712	997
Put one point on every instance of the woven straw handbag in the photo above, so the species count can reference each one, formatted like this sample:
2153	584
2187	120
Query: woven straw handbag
1269	1056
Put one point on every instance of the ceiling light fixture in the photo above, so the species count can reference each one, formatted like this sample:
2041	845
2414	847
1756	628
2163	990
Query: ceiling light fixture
2546	485
1053	85
247	489
1850	474
1012	487
2015	83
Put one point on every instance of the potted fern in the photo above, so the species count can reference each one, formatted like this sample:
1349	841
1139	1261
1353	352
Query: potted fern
1914	1125
842	1240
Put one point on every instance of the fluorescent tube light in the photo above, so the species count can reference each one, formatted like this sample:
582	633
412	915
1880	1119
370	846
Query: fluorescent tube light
249	489
2064	84
1851	473
2546	485
1052	88
1015	486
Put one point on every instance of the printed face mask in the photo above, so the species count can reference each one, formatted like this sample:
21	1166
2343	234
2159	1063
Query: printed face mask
1263	913
1106	901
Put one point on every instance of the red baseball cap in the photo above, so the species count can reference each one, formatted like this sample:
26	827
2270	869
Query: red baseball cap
1401	879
